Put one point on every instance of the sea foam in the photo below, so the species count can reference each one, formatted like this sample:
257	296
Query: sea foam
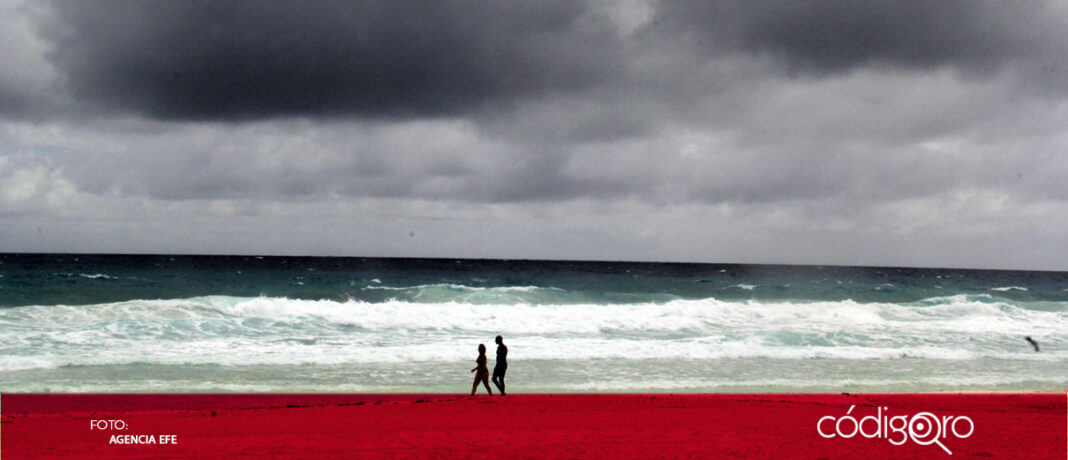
236	331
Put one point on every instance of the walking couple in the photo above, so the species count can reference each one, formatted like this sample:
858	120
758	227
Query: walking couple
499	368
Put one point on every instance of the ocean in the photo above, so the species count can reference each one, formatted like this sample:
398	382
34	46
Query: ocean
130	323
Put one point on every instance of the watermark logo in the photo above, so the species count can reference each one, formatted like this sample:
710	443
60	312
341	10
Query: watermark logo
923	428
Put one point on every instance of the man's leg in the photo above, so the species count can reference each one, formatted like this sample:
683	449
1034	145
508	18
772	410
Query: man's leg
498	378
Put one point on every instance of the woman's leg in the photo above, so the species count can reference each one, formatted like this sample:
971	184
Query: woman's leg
485	381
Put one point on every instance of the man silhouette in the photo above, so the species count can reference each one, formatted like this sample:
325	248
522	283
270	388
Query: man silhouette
501	366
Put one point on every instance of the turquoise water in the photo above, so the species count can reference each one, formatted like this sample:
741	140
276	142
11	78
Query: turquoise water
93	323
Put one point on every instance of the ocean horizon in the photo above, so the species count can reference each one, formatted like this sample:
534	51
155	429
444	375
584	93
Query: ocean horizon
180	323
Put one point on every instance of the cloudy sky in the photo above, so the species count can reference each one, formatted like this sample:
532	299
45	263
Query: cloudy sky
897	132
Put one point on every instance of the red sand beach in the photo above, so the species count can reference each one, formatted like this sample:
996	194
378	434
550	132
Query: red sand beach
517	426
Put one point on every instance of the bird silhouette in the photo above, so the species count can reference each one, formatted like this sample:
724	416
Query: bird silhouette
1032	342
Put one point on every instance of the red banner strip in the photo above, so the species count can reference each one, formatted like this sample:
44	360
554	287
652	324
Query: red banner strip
138	426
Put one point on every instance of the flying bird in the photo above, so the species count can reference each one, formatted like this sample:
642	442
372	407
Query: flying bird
1032	342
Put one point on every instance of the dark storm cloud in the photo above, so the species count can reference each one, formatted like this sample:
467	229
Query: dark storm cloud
254	59
240	60
827	36
10	100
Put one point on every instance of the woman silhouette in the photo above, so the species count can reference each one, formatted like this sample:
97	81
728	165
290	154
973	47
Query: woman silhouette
481	371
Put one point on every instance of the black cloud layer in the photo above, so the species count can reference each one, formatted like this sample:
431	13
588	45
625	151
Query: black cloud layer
244	59
835	35
254	59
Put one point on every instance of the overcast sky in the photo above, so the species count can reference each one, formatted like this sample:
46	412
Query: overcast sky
897	132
